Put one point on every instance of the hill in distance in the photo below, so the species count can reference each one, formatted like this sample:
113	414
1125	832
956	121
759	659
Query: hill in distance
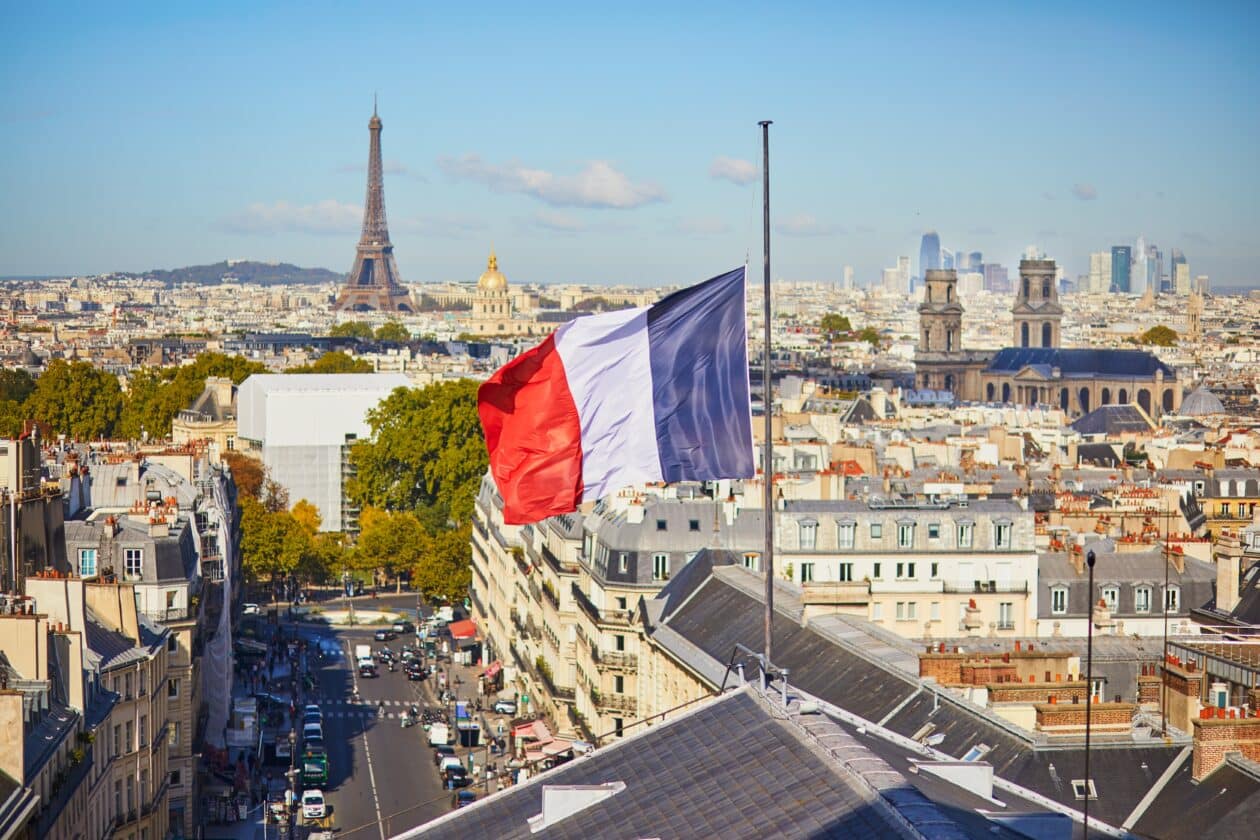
243	271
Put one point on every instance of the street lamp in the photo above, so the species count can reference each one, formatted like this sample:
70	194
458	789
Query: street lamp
293	800
1089	682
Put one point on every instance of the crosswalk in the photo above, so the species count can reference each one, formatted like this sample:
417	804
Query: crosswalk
336	708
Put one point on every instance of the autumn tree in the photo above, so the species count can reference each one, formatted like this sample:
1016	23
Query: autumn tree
1159	336
393	331
870	335
15	385
426	453
307	515
266	548
76	399
351	329
834	326
248	473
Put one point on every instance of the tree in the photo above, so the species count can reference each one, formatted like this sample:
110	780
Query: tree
870	335
15	384
445	568
275	496
389	542
834	326
335	361
307	515
351	329
263	542
393	331
12	416
76	399
1159	336
598	303
248	473
156	395
426	453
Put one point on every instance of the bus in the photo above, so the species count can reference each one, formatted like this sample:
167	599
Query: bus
315	767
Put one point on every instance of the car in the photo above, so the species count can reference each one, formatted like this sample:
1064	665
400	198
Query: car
312	730
463	798
313	805
384	635
417	674
251	609
367	670
456	777
385	655
441	752
314	742
505	707
404	626
312	709
449	761
276	802
309	718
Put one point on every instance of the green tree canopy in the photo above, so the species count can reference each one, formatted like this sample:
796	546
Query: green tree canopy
351	329
389	542
393	331
156	395
834	326
445	567
426	454
76	399
870	335
334	361
15	384
1159	336
267	549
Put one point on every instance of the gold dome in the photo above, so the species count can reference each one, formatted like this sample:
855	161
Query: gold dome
493	280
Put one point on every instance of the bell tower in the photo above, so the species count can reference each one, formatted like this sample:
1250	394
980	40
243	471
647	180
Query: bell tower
1037	312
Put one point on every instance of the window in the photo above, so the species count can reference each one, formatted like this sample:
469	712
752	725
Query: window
619	642
172	688
117	740
127	689
936	570
1172	599
977	752
901	610
87	562
619	684
231	443
877	571
660	567
877	611
807	572
172	643
175	730
846	572
912	610
618	723
1001	535
966	533
144	683
1225	509
1111	597
128	739
844	534
905	534
907	610
1142	599
809	534
175	779
621	602
1006	615
660	524
934	531
935	614
1078	789
877	531
623	562
1058	601
693	524
133	563
905	570
144	730
752	560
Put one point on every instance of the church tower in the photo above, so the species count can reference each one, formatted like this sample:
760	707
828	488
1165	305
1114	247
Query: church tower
939	358
1037	313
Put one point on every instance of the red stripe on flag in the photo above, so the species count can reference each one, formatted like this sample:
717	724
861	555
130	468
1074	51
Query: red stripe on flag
533	435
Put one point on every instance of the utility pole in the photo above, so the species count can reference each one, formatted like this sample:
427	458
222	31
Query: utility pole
767	395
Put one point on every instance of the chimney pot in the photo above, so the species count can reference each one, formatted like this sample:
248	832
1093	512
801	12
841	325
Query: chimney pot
1018	645
1030	647
942	648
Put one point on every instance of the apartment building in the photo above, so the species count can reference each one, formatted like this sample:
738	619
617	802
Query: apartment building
916	566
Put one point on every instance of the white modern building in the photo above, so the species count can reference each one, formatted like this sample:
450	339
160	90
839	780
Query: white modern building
302	426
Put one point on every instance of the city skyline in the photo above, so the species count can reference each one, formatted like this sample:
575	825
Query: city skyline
642	168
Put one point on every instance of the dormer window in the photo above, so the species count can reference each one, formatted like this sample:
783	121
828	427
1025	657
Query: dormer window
809	534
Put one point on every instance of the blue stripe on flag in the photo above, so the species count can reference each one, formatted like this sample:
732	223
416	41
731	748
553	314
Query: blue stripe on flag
698	343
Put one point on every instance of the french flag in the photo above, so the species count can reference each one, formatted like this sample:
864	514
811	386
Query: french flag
657	393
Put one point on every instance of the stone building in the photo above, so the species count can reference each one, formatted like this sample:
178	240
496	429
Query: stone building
1036	369
211	417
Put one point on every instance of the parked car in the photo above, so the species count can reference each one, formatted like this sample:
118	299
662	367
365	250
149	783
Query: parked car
252	609
505	707
313	805
449	761
404	626
463	798
456	777
385	635
367	670
441	751
312	709
312	730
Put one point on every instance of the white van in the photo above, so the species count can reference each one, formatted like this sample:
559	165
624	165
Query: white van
313	806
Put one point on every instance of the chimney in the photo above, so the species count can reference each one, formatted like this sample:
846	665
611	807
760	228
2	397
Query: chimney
1224	732
1102	616
1228	553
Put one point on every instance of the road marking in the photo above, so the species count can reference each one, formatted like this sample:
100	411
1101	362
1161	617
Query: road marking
367	751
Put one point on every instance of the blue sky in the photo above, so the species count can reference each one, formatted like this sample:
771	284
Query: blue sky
621	146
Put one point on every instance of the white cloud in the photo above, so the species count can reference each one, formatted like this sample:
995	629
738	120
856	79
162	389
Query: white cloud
733	169
598	184
322	218
1085	192
701	226
803	224
558	222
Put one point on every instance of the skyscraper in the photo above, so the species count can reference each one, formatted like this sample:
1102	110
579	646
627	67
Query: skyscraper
1137	273
947	259
1179	270
1099	273
1121	266
374	283
929	253
903	272
848	278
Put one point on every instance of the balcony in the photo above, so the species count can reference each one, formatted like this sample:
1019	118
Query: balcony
984	587
618	618
614	660
549	592
554	562
556	691
617	702
64	788
479	607
170	614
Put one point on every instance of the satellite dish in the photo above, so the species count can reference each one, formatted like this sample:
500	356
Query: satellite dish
935	740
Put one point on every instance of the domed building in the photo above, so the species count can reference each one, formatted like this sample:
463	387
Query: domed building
491	303
1201	403
493	312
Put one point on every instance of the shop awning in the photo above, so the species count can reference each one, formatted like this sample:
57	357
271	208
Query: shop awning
464	629
493	669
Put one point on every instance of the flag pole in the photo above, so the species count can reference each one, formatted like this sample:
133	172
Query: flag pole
767	398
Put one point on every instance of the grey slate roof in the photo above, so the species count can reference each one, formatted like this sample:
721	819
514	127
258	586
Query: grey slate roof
1113	420
1224	805
731	769
1200	403
1081	362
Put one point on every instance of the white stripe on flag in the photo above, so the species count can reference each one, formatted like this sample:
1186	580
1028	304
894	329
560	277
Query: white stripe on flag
609	370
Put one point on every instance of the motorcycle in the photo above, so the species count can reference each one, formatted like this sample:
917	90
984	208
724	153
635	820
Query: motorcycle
407	720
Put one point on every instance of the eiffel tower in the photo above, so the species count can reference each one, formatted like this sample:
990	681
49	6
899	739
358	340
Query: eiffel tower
374	283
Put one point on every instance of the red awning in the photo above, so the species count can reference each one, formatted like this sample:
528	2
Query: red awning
465	629
493	669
